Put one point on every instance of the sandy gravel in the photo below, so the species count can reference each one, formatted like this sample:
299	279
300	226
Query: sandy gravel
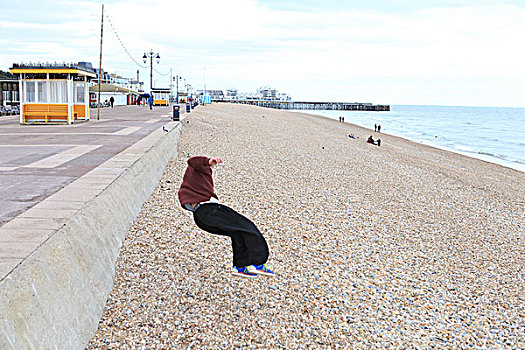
398	246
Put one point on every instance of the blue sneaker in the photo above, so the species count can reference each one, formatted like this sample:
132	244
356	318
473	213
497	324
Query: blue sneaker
242	272
260	270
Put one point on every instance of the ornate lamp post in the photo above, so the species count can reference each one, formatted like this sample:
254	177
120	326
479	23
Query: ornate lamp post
177	78
188	86
151	54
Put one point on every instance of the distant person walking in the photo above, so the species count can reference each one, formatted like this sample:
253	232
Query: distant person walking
111	101
150	102
196	194
379	128
375	127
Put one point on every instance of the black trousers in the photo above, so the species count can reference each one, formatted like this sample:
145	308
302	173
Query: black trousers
249	245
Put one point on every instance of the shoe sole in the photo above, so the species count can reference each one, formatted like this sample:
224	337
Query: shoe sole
264	273
240	274
259	272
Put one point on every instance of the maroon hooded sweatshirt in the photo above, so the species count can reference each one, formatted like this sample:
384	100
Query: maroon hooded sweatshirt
197	183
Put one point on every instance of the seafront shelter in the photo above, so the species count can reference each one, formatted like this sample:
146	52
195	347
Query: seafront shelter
161	97
53	93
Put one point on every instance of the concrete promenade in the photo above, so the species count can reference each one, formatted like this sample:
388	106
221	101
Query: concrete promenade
68	194
36	161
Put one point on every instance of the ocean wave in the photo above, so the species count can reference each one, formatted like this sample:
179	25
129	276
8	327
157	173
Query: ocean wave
464	148
502	157
499	156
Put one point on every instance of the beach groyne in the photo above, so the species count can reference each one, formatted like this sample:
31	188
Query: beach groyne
54	298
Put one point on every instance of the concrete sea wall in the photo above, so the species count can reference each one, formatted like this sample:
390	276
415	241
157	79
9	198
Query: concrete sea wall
55	298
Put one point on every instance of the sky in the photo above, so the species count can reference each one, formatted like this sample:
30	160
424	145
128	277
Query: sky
426	52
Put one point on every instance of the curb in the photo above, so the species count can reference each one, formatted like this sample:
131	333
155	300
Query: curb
55	297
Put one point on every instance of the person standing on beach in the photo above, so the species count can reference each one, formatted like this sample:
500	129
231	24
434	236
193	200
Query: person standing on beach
375	127
379	128
196	194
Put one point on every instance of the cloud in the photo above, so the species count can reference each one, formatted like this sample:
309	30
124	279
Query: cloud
316	52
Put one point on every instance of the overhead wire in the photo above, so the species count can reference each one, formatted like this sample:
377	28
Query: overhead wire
126	50
164	74
120	41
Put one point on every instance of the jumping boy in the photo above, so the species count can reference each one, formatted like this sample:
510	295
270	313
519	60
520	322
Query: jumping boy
196	194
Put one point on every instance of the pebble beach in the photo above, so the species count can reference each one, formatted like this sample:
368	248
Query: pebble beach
401	246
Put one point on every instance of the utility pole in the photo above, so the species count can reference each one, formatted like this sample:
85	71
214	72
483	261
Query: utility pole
171	84
100	62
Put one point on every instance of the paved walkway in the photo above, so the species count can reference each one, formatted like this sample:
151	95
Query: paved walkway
39	160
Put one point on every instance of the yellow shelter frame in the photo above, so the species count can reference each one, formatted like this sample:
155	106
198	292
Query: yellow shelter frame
53	94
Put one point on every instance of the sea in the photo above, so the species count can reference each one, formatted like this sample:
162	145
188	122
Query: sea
492	134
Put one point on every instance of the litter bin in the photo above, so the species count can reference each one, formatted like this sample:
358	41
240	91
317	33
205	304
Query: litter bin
188	108
176	113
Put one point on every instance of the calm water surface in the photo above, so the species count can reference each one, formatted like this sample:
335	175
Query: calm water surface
493	134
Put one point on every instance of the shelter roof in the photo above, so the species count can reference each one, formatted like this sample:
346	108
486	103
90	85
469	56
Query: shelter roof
110	88
72	68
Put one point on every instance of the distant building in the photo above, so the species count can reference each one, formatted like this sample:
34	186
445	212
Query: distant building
125	91
231	94
267	93
114	79
9	87
121	96
283	97
106	77
9	92
262	94
214	95
128	83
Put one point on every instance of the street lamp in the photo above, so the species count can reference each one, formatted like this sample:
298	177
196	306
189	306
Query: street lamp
188	89
176	78
151	54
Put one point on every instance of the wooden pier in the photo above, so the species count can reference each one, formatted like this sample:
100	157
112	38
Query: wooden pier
331	106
